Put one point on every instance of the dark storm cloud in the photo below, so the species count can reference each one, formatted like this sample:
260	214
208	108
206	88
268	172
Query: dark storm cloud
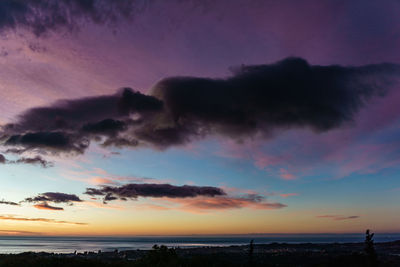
50	141
69	125
260	99
255	100
72	115
54	197
107	126
41	16
41	139
133	191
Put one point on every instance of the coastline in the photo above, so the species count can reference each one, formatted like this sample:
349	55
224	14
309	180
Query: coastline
281	254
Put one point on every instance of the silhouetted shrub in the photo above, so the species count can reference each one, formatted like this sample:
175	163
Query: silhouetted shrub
370	249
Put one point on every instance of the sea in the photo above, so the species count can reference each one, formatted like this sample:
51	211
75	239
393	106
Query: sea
62	244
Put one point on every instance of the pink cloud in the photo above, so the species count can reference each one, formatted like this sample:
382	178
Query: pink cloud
225	203
284	174
285	195
151	207
207	204
100	180
98	205
98	176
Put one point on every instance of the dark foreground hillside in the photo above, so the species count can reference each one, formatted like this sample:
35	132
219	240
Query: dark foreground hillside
349	254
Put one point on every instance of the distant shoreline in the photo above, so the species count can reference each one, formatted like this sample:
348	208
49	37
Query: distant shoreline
67	245
349	246
274	254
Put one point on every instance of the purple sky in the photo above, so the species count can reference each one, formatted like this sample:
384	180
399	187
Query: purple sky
296	170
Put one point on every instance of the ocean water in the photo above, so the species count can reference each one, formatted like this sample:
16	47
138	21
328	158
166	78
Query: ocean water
18	244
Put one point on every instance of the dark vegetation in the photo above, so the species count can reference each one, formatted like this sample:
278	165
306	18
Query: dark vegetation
276	254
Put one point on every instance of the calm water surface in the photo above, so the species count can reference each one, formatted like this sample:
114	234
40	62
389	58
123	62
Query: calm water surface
17	244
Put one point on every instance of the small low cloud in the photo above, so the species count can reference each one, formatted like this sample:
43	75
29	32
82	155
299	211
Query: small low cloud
25	219
286	175
55	197
46	206
338	217
8	203
37	160
42	200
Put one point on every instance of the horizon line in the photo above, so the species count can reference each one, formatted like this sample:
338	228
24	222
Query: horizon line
193	235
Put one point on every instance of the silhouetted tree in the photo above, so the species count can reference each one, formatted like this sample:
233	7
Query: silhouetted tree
369	249
160	256
251	252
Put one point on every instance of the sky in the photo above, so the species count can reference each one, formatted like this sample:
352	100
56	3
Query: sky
147	117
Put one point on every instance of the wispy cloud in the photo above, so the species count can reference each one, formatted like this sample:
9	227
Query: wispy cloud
98	176
94	204
18	232
338	217
203	204
25	219
42	16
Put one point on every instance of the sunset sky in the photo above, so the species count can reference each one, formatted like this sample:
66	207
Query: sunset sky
138	117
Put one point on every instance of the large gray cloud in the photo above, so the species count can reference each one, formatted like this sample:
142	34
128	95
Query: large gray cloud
255	100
